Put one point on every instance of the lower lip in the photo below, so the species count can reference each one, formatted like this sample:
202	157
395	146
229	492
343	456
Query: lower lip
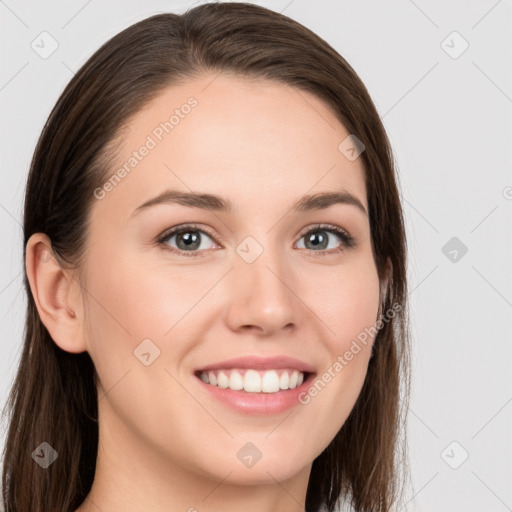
262	404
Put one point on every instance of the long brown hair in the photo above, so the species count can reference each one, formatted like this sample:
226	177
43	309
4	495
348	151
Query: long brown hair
54	398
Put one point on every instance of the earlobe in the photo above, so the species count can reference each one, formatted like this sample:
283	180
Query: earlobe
51	287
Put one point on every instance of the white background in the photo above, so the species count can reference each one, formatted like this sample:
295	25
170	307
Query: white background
449	121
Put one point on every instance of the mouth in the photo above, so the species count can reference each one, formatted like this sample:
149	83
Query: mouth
252	380
257	385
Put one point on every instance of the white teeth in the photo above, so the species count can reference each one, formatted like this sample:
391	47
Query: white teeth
222	380
270	382
236	381
254	381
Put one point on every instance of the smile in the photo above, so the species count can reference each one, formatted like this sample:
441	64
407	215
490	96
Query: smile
256	385
254	381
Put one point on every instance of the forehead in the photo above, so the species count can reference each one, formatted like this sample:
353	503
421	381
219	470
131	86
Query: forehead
249	140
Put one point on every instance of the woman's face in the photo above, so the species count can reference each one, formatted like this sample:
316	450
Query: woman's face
266	283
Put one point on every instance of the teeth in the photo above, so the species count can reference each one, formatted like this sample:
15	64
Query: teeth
284	380
293	380
222	380
253	381
236	381
270	382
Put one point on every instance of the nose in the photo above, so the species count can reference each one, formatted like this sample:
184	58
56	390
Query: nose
261	296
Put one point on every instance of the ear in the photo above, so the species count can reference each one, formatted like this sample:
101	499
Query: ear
56	293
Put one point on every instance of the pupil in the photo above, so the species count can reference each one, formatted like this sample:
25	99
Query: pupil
317	240
191	241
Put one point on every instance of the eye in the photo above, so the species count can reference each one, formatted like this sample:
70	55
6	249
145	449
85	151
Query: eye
317	239
189	240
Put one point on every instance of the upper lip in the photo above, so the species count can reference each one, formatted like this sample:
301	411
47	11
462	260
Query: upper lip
260	363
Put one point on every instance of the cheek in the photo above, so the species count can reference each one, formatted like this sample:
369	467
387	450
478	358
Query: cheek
350	311
345	299
347	305
146	301
150	301
129	301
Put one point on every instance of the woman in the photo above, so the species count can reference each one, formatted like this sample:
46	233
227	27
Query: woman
216	280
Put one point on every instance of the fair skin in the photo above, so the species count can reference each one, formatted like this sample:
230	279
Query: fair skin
165	444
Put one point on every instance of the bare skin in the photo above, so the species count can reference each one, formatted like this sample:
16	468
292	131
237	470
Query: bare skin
165	445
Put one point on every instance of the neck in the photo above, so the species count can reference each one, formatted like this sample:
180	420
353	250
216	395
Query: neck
132	475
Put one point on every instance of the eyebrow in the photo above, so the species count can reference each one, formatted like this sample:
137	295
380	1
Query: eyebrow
213	202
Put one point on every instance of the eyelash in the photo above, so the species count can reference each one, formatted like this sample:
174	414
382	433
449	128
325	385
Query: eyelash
347	240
